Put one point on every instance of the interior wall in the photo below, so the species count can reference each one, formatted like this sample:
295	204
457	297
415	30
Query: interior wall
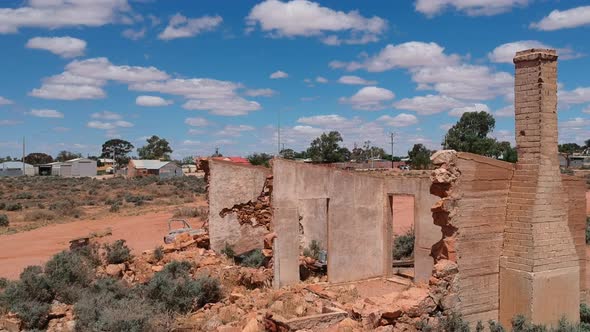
231	184
355	220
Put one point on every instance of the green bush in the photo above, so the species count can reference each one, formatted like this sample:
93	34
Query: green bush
158	253
584	313
115	207
313	250
34	314
13	207
588	230
403	245
118	252
254	258
4	220
174	290
69	272
228	251
454	322
110	306
23	195
2	205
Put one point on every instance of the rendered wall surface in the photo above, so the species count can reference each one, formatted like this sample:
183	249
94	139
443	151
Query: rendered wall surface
425	231
357	227
355	220
231	184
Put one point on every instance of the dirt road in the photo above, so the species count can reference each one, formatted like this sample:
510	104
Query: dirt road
20	250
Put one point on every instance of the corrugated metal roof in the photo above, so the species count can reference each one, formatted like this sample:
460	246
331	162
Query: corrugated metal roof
78	159
149	164
14	165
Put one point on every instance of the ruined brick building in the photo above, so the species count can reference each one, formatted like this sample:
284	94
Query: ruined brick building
509	236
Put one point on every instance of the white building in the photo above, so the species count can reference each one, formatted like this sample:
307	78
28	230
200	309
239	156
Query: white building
15	168
79	167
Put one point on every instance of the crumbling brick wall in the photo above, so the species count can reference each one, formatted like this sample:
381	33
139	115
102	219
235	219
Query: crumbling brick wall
239	205
471	214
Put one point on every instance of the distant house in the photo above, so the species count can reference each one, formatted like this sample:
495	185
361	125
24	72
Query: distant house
105	164
162	169
79	167
15	168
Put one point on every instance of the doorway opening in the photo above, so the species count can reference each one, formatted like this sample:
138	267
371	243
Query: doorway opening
403	232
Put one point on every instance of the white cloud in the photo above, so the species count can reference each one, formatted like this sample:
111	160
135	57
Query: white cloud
330	121
505	52
197	122
429	104
321	79
355	80
106	115
407	55
458	112
68	92
152	101
44	113
575	123
586	110
260	92
234	131
557	19
507	111
66	47
193	131
134	34
9	122
182	27
576	96
227	107
309	19
504	135
109	125
400	120
465	81
279	74
4	101
53	14
470	7
103	69
369	98
61	129
190	142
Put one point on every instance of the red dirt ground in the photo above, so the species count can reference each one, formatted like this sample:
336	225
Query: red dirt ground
403	213
588	203
20	250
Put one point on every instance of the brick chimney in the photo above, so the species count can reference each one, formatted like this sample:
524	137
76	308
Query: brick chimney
539	268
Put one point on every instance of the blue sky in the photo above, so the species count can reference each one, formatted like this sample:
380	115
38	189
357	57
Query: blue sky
206	74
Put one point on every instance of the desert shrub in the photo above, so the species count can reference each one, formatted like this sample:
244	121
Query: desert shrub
29	297
68	273
174	290
584	313
137	199
188	212
313	250
2	205
158	253
33	314
588	231
495	326
66	207
454	322
403	245
254	258
107	305
115	207
479	327
228	251
4	220
14	207
23	195
39	215
117	252
3	283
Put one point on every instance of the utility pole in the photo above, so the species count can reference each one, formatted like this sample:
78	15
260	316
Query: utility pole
23	160
392	134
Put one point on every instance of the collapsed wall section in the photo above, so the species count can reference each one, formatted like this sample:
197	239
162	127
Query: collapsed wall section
471	213
238	216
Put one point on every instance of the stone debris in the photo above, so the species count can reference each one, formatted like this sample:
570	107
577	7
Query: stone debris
257	213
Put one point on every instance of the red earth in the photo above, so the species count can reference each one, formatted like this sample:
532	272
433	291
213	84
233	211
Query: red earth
35	247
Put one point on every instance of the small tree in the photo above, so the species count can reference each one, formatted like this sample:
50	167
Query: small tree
568	149
156	148
118	150
419	156
38	158
260	159
327	149
470	134
67	155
